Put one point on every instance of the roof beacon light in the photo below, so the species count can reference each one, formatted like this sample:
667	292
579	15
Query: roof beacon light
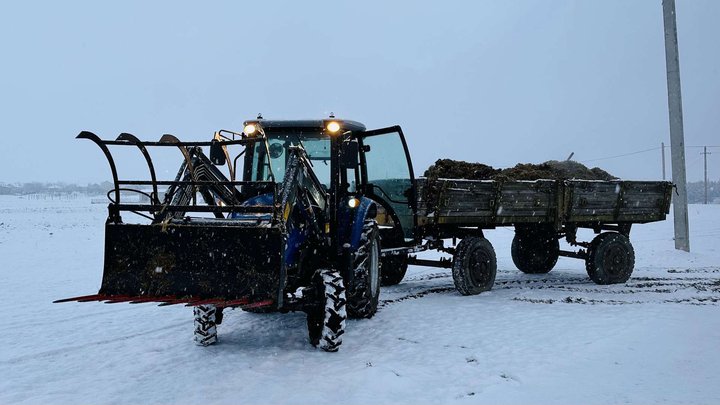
333	126
249	129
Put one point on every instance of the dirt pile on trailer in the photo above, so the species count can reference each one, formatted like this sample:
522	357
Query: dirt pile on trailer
551	170
457	169
554	170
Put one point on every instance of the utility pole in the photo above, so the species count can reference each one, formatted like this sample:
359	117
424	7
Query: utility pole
705	152
677	139
662	146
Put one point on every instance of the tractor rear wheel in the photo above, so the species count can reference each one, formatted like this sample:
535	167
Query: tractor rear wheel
474	266
363	292
393	269
535	250
327	313
610	258
205	324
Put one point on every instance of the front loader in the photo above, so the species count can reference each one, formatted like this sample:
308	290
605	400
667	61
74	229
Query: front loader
295	234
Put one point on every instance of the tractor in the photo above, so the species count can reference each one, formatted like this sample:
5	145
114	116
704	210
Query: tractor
286	224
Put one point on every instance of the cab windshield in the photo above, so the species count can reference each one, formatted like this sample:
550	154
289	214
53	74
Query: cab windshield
315	144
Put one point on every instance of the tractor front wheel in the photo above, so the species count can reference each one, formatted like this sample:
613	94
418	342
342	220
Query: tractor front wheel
363	292
326	314
206	321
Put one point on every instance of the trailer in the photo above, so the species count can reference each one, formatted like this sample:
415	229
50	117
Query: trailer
314	215
542	213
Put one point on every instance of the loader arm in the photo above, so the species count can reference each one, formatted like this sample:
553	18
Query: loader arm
302	189
214	186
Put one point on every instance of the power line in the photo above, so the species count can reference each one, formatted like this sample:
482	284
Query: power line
692	162
643	151
623	155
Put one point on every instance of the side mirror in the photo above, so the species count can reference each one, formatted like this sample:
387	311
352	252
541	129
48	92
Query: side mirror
349	155
217	153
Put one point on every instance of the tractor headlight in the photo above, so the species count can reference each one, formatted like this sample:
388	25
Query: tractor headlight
249	129
353	202
333	126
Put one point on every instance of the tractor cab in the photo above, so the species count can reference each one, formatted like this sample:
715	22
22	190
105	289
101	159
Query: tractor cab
347	161
267	160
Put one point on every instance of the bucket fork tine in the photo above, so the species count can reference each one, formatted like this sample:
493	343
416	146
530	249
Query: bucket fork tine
99	142
137	142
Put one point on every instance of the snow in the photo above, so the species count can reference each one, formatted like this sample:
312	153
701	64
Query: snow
555	338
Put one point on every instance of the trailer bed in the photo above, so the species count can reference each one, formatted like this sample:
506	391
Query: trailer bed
490	203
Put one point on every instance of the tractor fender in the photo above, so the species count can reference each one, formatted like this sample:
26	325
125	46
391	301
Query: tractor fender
365	210
262	199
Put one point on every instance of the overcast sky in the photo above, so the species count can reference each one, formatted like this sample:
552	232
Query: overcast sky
498	82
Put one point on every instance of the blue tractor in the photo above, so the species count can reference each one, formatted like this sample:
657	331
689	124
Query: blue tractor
280	217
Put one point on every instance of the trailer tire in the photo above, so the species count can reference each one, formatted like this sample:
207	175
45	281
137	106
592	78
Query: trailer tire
363	292
474	266
393	269
205	325
610	259
327	314
535	250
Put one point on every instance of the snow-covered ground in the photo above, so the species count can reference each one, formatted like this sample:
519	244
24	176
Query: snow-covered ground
555	338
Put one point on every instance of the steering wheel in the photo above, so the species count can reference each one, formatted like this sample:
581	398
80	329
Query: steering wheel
276	150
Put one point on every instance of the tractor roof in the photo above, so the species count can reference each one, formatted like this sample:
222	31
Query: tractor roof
307	124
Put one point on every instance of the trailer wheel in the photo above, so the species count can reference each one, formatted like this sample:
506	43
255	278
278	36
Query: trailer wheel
205	325
363	291
474	266
611	258
393	269
535	250
326	315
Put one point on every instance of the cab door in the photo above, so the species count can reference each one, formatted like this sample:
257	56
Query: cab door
387	177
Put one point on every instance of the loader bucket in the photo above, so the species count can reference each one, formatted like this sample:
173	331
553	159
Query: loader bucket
198	261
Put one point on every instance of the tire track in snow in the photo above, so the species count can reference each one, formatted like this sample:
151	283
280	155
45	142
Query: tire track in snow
418	294
586	301
661	287
84	346
78	317
695	270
